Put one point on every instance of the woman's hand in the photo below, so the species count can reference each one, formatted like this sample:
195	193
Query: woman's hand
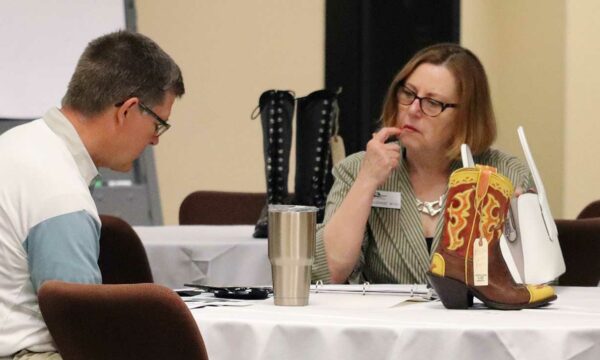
519	191
344	232
380	158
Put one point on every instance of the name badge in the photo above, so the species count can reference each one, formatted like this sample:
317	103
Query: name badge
387	199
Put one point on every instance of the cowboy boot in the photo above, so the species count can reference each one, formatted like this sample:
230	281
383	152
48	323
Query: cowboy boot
276	113
315	118
468	261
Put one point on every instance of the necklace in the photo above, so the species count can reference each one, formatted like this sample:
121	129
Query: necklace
431	208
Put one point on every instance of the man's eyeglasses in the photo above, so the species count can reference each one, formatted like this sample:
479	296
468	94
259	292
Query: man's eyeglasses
429	106
161	125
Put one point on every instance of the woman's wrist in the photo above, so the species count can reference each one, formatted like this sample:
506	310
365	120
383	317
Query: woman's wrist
366	184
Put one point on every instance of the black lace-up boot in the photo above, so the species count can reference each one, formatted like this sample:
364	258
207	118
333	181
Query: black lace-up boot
315	118
276	113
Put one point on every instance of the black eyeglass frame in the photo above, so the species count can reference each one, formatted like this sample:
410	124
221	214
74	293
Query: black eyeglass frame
415	97
161	127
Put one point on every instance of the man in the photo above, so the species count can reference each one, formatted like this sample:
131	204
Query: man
117	103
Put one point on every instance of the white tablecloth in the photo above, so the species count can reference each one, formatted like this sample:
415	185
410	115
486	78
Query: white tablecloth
352	326
210	255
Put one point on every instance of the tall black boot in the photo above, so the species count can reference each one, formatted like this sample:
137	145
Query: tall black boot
315	118
276	113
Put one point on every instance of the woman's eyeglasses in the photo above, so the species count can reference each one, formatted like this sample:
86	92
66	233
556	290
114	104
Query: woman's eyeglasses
429	106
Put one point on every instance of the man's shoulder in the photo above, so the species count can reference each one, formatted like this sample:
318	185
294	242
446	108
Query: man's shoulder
39	163
28	140
21	132
45	180
31	153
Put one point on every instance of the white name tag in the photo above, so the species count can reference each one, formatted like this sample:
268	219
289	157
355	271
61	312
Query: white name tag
387	199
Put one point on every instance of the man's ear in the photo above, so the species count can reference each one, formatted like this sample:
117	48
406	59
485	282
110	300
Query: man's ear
125	108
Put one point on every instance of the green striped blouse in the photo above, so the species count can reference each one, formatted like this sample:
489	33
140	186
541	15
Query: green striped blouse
394	249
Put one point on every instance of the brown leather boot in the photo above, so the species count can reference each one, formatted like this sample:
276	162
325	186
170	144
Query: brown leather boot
468	261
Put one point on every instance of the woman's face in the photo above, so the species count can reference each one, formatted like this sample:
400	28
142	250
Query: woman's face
422	132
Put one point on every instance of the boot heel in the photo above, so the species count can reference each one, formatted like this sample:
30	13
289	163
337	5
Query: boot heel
454	294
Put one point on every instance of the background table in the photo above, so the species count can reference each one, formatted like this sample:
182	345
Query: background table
352	326
213	255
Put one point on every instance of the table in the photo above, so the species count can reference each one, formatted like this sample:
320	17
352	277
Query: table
353	326
213	255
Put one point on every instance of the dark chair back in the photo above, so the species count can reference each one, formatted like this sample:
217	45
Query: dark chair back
592	210
132	321
123	259
580	245
221	208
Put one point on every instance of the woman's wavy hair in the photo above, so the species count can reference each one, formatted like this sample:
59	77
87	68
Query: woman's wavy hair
475	121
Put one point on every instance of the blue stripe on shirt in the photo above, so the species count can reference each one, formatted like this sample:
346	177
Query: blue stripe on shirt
66	248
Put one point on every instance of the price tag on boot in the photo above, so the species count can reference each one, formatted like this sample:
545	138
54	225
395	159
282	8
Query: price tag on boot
480	262
338	151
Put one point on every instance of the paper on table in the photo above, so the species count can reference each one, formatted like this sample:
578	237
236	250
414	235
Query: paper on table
366	288
203	300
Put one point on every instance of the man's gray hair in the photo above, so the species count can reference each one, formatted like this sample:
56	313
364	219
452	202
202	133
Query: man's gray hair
120	65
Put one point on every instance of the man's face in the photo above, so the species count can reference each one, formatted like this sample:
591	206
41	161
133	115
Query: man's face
138	131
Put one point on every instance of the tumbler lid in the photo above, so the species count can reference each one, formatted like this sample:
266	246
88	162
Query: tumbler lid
292	208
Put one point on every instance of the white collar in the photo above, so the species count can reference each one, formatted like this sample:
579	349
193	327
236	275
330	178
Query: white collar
61	126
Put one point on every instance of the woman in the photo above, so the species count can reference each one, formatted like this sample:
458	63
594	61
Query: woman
383	213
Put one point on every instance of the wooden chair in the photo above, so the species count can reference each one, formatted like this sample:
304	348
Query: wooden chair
592	210
580	245
123	259
131	321
221	208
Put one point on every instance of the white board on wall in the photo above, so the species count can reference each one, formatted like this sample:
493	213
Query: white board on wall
40	43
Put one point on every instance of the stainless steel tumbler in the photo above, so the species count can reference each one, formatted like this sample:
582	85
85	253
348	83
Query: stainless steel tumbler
292	231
